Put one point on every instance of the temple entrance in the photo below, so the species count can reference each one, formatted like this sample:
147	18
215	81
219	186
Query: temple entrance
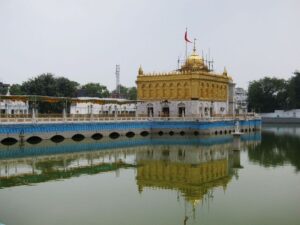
165	111
150	110
181	110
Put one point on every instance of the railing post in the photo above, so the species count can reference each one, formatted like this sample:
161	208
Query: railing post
33	115
64	114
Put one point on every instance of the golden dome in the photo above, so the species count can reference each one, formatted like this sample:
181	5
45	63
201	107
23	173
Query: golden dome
194	63
194	59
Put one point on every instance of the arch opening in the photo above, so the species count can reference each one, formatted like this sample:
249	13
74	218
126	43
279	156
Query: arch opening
160	133
78	137
182	133
130	134
144	133
114	135
171	133
57	138
97	136
196	133
9	141
34	140
181	109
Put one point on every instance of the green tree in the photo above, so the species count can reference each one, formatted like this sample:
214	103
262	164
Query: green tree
3	90
294	91
132	93
66	87
49	85
94	90
267	94
16	89
125	92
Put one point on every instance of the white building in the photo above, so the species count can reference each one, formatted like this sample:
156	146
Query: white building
88	107
13	107
241	102
9	107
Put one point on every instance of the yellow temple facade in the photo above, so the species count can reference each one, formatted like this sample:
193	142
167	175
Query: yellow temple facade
193	171
192	90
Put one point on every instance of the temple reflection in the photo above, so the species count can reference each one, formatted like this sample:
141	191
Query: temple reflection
191	170
190	165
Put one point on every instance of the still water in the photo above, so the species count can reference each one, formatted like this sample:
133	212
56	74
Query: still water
158	180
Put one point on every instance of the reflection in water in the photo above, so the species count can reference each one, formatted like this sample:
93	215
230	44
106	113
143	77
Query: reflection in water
279	146
28	164
159	181
191	166
193	171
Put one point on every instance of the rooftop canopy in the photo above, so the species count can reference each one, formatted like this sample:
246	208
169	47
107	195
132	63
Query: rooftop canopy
52	99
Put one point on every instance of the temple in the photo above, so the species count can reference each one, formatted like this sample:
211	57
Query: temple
192	90
193	171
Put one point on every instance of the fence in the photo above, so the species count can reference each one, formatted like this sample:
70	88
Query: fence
48	118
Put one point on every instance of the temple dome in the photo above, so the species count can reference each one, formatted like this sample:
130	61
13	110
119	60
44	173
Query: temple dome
194	63
194	59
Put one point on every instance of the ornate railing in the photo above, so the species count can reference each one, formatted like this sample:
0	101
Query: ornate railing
96	118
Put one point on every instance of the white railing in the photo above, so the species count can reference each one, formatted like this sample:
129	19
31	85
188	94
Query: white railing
83	119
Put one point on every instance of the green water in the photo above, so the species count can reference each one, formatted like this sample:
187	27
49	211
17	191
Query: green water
162	180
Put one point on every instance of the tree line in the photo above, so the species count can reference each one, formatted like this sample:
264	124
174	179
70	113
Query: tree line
270	93
50	85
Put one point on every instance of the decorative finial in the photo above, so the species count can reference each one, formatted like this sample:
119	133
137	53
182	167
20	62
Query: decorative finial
141	72
194	49
225	71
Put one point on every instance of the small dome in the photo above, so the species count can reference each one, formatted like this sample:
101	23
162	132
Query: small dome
194	60
194	63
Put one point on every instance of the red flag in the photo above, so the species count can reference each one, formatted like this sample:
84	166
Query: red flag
186	37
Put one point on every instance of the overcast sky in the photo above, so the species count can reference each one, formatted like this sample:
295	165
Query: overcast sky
83	40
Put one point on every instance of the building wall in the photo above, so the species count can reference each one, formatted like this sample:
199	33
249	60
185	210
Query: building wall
9	107
183	86
191	108
241	102
106	109
294	113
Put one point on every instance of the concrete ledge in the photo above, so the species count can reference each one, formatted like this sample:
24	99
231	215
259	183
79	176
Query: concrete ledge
22	132
280	120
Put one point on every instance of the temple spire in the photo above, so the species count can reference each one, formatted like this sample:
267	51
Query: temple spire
141	72
194	49
225	71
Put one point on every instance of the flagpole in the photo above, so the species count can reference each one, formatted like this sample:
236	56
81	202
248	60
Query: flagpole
185	50
185	45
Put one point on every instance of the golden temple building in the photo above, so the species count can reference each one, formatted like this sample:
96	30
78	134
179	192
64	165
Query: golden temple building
192	90
193	172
